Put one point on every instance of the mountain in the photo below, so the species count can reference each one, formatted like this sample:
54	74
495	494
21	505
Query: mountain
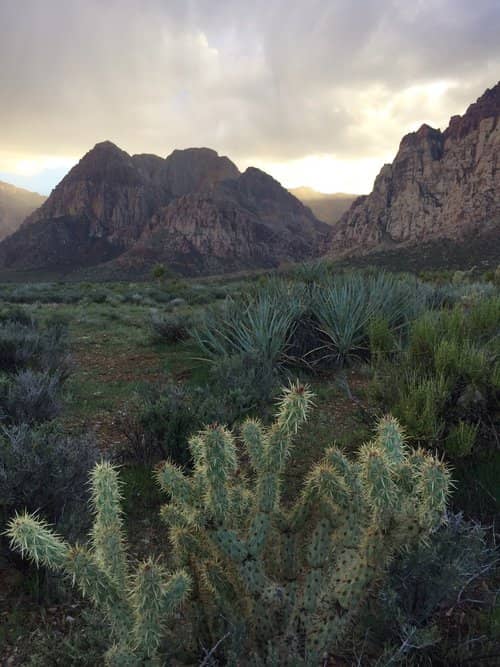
326	207
15	205
192	210
441	185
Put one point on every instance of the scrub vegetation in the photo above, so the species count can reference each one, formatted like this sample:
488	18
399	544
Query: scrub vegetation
295	468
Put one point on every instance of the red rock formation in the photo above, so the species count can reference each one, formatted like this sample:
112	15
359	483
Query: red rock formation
237	224
102	205
193	211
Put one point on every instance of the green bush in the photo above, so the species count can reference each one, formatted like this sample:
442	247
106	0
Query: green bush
158	423
30	397
170	327
461	439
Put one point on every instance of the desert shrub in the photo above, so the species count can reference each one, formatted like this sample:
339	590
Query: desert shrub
237	386
170	327
44	293
444	386
82	644
15	314
382	340
30	397
450	295
27	345
19	345
158	423
461	439
45	469
421	406
406	621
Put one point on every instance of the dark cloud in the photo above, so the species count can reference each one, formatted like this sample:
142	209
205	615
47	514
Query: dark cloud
271	80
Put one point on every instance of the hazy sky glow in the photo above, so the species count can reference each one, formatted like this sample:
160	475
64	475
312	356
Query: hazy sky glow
316	92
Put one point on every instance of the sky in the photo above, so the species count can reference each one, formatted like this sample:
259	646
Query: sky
315	92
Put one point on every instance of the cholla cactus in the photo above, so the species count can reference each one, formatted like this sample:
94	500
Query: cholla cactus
136	603
287	581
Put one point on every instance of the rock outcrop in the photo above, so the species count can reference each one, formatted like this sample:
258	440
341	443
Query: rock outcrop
15	205
242	223
440	185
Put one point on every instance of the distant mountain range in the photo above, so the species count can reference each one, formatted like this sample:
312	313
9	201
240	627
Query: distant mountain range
15	205
326	207
118	214
193	211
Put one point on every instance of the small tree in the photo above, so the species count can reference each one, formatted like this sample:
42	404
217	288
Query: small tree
159	272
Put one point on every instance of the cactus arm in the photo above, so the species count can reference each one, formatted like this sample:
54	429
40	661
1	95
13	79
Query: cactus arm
390	438
433	487
174	482
107	532
32	537
254	439
377	479
154	596
219	463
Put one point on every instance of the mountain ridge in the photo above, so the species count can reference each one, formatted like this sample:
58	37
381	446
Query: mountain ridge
114	205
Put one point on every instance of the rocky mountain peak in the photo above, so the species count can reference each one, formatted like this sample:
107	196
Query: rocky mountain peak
193	169
104	162
486	106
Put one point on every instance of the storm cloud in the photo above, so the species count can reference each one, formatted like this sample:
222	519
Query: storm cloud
280	84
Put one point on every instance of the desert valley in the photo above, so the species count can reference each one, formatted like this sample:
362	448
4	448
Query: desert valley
250	377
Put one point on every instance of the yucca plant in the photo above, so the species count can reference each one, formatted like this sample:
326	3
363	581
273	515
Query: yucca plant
343	311
136	602
258	326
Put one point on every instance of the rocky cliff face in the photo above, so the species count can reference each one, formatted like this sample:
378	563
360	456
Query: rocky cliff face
193	210
440	185
15	205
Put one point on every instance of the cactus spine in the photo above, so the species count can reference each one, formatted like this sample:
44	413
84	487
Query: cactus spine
292	577
136	603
